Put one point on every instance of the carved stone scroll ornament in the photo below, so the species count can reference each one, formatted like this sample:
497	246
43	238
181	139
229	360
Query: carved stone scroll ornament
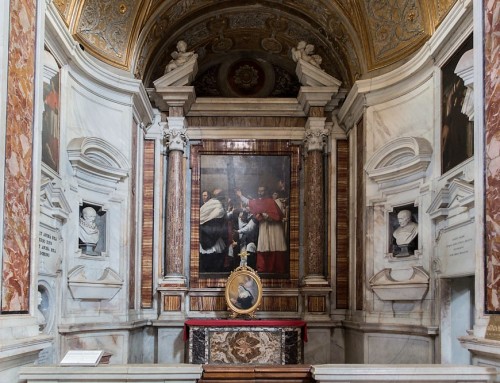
176	138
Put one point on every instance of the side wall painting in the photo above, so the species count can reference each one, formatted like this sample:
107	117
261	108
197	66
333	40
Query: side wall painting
457	132
50	124
244	200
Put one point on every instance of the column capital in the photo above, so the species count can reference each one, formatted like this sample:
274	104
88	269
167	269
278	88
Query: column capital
175	133
316	133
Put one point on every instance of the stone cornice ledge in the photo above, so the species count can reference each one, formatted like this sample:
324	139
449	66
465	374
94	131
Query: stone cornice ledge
114	373
14	347
402	373
391	328
480	345
86	327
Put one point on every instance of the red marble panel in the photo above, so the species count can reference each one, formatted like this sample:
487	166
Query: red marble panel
314	211
175	215
492	153
342	208
18	156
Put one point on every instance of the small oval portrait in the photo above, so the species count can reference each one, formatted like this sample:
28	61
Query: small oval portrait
243	291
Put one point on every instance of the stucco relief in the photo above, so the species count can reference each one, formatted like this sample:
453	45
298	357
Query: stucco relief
393	25
106	26
63	7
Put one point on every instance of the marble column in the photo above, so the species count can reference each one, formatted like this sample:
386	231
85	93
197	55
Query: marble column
314	251
174	95
176	140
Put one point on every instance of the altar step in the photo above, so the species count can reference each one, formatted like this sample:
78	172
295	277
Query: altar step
256	374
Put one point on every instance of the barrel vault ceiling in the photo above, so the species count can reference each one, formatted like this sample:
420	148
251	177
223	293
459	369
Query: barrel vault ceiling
355	38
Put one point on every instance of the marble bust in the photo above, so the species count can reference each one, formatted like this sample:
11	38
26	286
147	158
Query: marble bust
40	317
89	232
405	236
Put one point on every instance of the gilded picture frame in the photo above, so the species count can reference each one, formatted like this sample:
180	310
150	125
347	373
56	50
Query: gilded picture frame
243	292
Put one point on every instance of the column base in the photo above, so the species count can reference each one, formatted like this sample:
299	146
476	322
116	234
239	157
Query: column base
315	281
174	281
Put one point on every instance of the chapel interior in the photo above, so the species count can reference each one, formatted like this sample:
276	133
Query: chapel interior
340	157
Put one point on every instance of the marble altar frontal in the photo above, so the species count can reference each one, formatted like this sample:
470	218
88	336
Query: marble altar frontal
245	345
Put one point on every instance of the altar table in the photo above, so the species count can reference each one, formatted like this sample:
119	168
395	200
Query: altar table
237	341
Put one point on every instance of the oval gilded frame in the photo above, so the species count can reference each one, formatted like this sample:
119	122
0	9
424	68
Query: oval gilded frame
243	292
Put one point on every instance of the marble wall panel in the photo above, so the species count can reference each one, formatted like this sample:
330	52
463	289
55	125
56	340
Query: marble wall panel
113	343
398	349
407	115
18	156
360	208
492	153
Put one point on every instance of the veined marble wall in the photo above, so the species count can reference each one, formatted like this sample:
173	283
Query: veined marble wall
401	297
18	154
492	123
20	52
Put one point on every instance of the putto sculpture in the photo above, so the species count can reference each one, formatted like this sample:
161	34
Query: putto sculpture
305	52
180	57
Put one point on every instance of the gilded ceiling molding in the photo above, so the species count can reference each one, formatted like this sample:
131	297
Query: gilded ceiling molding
396	29
273	30
65	9
108	28
356	36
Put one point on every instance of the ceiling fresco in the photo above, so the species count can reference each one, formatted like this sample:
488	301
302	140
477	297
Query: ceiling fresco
355	38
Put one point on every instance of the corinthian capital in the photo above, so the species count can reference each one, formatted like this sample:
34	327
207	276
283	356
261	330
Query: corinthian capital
175	135
316	133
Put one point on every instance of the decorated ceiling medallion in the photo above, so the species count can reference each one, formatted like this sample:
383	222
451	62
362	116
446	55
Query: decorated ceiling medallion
246	77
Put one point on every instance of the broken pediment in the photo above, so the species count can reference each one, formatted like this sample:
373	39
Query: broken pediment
96	162
455	198
400	161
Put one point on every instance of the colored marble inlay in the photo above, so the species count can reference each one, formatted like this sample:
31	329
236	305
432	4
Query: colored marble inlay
147	225
172	303
241	345
18	156
175	214
342	199
492	153
314	213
